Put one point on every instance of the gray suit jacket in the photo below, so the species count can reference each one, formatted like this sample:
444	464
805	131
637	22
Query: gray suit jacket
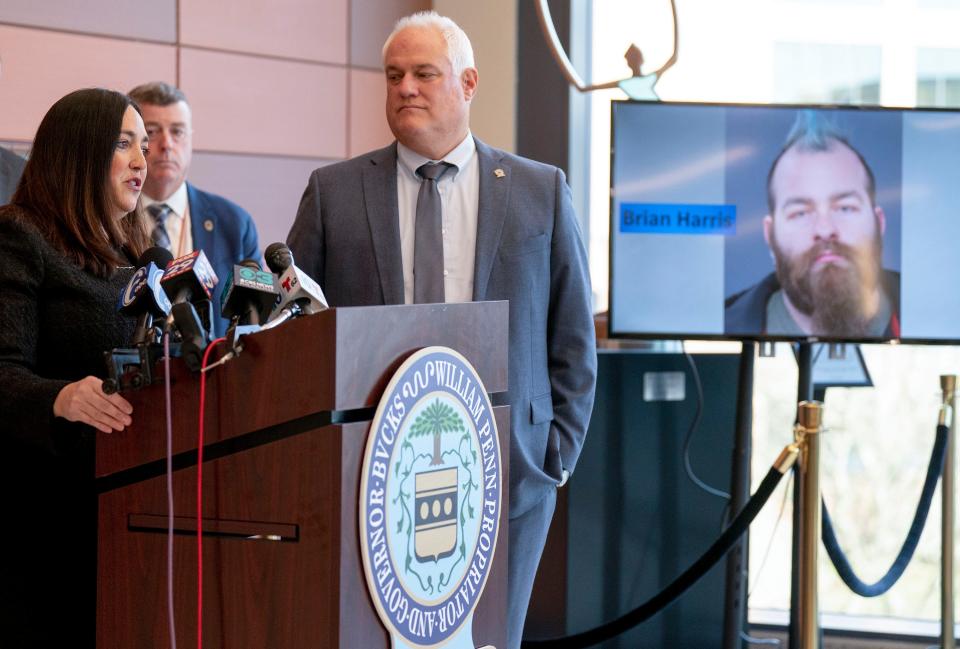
529	251
11	168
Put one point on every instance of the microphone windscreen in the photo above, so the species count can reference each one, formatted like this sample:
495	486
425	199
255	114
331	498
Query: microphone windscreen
158	255
278	257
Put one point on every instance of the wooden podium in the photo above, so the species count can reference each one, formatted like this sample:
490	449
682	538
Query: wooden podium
286	429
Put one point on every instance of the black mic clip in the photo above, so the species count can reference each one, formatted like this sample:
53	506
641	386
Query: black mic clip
235	332
193	334
131	368
300	306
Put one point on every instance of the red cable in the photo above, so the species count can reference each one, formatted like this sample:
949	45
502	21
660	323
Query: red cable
203	399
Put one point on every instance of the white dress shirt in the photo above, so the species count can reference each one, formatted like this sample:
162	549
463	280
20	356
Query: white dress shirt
459	198
178	222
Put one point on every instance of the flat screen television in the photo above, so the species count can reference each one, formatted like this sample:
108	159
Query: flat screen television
758	222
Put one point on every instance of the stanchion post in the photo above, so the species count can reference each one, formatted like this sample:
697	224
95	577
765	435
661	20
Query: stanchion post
804	393
735	598
809	426
948	417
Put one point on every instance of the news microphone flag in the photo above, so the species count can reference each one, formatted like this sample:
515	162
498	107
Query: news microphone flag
189	277
250	293
296	285
143	293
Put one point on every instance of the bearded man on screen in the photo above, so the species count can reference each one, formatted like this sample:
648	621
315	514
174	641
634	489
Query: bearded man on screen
825	233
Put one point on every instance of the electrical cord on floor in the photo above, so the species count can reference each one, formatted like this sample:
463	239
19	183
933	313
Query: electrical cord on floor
763	564
773	535
698	414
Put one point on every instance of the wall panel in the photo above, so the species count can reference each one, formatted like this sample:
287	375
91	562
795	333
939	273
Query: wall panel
267	187
41	66
368	123
151	21
371	21
248	104
300	29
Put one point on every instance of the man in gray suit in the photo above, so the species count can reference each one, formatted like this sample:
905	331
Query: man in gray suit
499	227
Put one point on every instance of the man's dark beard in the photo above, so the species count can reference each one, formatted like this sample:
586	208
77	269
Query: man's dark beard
835	297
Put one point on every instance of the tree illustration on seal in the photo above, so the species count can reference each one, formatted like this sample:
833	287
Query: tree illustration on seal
436	419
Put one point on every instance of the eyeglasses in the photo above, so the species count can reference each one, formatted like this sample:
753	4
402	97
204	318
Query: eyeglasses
176	133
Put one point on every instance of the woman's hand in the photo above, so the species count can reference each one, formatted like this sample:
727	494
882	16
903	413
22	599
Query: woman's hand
85	401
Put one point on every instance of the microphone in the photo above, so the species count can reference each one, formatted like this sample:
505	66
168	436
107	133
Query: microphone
142	297
190	279
295	285
250	294
278	257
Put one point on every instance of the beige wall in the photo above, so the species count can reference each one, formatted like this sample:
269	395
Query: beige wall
492	28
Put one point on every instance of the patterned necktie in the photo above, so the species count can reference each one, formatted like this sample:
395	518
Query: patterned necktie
160	212
428	238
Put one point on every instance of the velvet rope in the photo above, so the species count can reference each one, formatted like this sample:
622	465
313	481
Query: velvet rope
839	559
677	587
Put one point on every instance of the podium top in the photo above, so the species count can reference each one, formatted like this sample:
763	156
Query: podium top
342	359
327	364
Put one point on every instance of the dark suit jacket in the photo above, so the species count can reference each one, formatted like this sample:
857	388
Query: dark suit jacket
529	251
11	168
56	320
226	234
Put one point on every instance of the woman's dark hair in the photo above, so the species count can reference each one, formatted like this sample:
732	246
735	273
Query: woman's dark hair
64	185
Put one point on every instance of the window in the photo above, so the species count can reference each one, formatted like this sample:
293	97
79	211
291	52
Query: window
826	73
938	77
897	53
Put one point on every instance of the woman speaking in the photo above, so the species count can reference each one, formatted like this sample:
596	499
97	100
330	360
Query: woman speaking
67	244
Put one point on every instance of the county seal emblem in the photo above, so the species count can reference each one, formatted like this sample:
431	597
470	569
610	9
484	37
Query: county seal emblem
430	500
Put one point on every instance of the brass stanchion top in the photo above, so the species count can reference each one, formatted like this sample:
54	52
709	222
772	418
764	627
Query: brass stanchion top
810	416
948	384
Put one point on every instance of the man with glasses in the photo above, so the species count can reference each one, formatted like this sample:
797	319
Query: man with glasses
184	218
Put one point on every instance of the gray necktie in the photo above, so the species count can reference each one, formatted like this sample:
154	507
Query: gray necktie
160	212
428	239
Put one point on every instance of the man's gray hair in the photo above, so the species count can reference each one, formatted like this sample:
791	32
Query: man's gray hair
459	50
157	93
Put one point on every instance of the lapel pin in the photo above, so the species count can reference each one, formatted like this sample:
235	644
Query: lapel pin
499	173
208	225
